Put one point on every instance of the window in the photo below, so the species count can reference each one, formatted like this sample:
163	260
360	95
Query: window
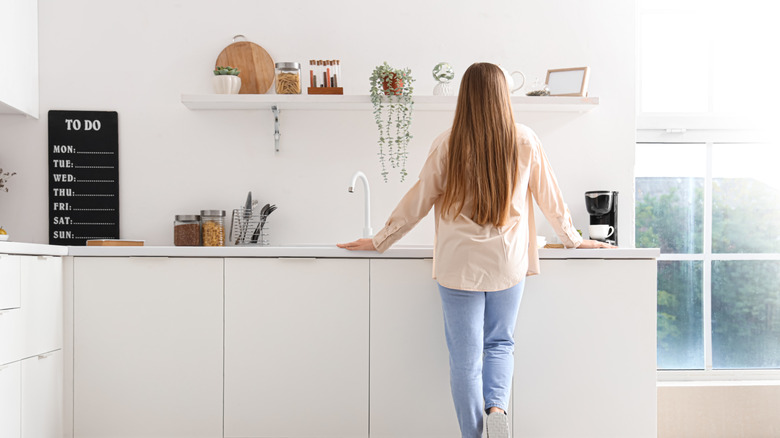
714	210
707	182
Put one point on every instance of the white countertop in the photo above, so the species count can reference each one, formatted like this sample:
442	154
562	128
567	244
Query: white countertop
32	249
298	251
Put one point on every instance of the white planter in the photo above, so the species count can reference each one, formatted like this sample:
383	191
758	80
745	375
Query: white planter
226	84
442	89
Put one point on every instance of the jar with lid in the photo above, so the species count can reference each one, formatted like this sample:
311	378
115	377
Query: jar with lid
288	78
213	227
186	230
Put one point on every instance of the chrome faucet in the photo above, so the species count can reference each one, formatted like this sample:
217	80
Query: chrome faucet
367	232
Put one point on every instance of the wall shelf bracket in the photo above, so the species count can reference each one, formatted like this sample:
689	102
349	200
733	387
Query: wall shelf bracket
277	134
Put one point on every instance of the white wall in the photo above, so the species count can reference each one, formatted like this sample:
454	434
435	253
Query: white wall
138	57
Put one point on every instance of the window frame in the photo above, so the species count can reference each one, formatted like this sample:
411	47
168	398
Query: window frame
709	138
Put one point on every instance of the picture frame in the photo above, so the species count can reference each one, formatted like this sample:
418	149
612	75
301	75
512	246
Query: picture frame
568	81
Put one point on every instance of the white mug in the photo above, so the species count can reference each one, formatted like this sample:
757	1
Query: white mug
600	232
510	79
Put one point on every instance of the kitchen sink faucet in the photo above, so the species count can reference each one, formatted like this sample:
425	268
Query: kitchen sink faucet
367	232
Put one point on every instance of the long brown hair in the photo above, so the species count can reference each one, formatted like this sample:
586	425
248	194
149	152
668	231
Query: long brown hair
483	148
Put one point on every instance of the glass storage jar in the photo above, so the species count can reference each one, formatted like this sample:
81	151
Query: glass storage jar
213	227
186	230
288	78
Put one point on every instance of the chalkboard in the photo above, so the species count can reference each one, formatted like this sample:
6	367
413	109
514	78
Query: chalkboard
83	176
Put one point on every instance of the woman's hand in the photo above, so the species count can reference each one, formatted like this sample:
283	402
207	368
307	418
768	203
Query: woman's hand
358	245
589	244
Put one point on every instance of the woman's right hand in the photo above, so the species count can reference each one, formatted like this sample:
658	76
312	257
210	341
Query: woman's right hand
590	244
364	244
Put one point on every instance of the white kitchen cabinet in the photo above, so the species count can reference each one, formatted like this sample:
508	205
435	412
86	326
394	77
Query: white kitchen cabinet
410	385
19	52
30	343
10	275
148	347
296	347
41	414
41	285
585	351
10	400
34	327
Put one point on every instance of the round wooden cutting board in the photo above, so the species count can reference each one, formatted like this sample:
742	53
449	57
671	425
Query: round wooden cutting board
255	64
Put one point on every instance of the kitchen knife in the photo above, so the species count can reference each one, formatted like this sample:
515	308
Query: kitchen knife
247	218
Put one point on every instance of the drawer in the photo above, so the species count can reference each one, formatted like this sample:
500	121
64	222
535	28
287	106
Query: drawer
10	278
10	336
42	395
10	400
41	285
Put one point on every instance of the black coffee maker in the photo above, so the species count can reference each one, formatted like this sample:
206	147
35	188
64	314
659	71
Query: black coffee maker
603	209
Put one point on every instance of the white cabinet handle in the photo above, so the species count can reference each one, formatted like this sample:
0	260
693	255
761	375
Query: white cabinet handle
43	356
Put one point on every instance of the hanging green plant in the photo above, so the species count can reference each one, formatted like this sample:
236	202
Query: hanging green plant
391	95
4	177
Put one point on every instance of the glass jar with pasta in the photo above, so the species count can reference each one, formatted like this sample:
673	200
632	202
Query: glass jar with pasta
213	227
288	78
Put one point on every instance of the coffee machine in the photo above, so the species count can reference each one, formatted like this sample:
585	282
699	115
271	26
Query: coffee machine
602	206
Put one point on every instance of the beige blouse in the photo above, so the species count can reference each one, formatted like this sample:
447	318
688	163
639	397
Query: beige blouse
474	257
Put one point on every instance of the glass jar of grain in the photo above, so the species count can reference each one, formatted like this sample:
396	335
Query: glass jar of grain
213	227
288	78
186	230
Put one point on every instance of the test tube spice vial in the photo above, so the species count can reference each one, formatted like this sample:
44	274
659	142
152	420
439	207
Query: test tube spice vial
311	73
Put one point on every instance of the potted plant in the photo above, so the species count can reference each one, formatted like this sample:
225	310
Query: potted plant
226	80
391	95
4	177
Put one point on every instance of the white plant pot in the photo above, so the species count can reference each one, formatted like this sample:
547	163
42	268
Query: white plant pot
442	89
226	84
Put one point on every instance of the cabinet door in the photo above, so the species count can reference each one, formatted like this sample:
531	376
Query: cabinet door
410	385
19	47
296	348
10	289
41	304
10	400
42	396
147	347
585	350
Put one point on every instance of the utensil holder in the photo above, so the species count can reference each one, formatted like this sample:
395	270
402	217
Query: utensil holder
248	228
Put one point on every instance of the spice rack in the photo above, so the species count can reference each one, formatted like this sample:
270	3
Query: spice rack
277	102
325	90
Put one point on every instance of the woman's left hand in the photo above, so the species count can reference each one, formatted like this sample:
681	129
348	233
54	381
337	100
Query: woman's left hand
358	245
588	244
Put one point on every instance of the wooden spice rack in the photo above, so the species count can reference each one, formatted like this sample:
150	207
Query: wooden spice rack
325	90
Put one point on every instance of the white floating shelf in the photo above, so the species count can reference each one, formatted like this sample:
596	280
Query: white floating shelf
363	102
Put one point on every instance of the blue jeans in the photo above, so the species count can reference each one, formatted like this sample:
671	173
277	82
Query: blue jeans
479	327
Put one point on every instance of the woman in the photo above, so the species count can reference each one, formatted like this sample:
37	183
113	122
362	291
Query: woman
480	176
